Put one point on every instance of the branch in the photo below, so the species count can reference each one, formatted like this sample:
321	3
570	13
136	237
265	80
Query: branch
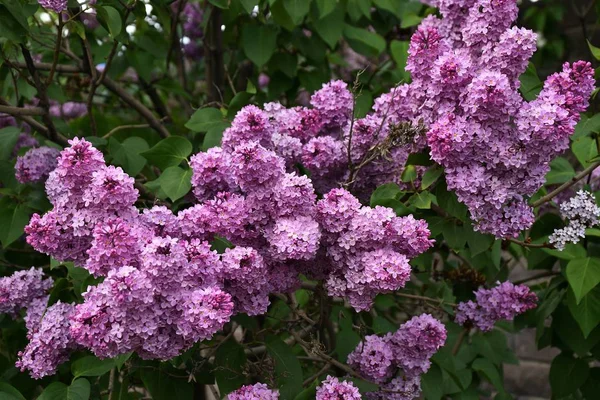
41	93
423	298
17	111
531	245
566	185
122	127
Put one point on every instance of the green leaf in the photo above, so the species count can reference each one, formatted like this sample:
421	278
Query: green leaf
307	394
326	6
214	136
478	243
220	3
591	387
585	149
229	361
284	62
204	119
331	27
288	371
409	20
79	390
259	43
240	100
430	176
531	85
489	371
297	9
10	28
571	252
163	386
583	275
8	392
561	171
358	9
249	5
564	325
363	386
364	41
8	139
567	374
388	191
281	16
176	182
169	152
110	18
93	366
595	50
432	383
586	126
587	312
399	50
127	154
13	218
421	200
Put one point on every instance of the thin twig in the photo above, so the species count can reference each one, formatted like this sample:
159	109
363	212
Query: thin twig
459	341
566	185
531	245
123	127
423	298
56	50
111	383
535	277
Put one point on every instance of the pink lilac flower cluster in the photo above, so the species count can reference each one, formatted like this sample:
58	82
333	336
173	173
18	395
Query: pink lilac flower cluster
50	342
258	391
502	302
318	138
582	212
193	31
495	147
68	110
408	350
367	250
36	164
334	389
54	5
20	289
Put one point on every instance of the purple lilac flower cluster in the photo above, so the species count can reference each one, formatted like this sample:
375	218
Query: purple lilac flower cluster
319	137
258	391
367	249
502	302
50	341
68	110
54	5
334	389
36	164
246	196
20	289
495	147
408	350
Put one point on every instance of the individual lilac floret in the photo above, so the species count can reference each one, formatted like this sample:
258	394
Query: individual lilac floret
334	389
502	302
50	344
21	288
416	342
258	391
57	6
399	388
582	213
36	164
373	358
